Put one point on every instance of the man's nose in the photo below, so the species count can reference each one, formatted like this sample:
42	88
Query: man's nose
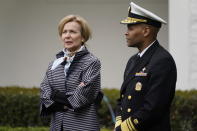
126	33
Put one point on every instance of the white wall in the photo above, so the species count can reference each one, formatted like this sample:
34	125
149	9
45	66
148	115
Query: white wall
183	41
29	37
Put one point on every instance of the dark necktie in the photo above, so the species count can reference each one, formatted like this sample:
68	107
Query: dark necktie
135	61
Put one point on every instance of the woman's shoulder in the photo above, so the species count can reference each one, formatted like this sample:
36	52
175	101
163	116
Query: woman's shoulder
50	65
92	58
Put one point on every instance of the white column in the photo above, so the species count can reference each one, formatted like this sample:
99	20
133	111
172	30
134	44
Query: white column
193	44
183	41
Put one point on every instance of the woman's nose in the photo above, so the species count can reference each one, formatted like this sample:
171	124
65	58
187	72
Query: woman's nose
67	35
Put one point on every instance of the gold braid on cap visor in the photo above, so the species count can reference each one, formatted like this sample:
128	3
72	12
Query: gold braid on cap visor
133	20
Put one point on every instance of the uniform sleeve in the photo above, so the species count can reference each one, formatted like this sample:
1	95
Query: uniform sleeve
45	93
128	66
158	98
118	114
118	108
87	93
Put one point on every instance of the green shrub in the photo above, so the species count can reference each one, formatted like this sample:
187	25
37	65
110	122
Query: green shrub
33	129
184	111
24	129
19	107
103	112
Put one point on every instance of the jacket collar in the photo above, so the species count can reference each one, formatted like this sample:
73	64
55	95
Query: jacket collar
78	54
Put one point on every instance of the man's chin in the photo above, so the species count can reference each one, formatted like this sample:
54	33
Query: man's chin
131	45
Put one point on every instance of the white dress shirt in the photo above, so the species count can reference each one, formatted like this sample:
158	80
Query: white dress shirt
142	53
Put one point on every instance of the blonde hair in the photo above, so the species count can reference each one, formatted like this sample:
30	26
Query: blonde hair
85	30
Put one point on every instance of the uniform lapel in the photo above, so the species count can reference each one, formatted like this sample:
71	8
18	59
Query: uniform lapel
130	65
139	64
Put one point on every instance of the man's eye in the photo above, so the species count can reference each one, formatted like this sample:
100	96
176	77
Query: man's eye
130	29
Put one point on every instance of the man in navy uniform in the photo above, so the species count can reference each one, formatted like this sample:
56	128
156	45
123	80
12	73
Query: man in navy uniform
149	78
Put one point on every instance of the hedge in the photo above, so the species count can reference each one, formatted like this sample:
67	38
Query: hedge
24	129
33	129
19	107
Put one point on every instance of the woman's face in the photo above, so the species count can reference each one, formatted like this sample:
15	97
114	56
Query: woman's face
71	36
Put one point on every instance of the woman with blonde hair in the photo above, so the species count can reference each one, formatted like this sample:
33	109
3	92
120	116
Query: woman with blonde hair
70	90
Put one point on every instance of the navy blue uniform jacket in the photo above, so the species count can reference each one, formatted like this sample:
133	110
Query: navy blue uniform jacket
147	92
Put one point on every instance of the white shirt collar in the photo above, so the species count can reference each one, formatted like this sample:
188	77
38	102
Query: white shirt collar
142	53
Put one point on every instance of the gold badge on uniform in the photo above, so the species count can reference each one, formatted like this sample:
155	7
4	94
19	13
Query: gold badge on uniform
138	86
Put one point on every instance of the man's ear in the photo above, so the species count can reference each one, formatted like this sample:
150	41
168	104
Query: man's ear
146	31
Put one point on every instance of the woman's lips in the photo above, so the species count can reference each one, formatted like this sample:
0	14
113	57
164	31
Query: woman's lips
68	42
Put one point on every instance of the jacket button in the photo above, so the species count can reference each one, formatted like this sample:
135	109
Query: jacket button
129	97
122	95
129	110
135	121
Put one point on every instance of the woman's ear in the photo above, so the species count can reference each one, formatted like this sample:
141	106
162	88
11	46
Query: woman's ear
82	41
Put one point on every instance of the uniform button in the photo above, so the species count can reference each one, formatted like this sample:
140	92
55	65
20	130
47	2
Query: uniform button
122	96
129	97
129	110
121	108
135	121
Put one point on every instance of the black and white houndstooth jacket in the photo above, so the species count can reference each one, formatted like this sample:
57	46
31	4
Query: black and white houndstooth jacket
83	116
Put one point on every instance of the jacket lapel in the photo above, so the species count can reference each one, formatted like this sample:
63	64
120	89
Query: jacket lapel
139	65
130	65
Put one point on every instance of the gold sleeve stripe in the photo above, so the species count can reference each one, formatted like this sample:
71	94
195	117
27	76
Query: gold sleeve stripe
118	118
131	124
125	127
118	123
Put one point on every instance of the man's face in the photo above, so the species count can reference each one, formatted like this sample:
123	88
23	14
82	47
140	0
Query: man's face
134	35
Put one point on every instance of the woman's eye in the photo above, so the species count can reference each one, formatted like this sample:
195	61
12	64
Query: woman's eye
72	31
64	31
